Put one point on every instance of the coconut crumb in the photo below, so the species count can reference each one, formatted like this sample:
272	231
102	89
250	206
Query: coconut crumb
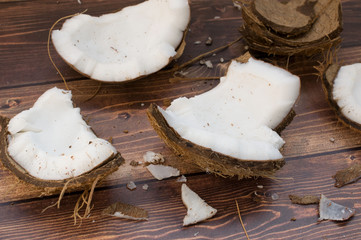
145	187
221	60
161	172
131	186
79	1
217	17
332	140
197	42
182	179
153	158
209	41
134	163
209	64
197	209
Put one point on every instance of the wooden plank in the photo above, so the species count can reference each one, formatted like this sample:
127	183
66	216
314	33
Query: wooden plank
264	217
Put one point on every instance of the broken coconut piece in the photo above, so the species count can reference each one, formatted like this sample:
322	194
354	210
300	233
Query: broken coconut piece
343	86
329	210
348	175
134	42
228	130
123	210
304	200
50	144
197	209
161	172
152	157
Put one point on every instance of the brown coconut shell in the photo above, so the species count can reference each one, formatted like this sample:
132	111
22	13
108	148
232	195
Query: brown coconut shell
323	33
328	82
80	182
290	18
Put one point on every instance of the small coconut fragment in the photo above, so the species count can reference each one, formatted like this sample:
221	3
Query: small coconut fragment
209	41
131	185
208	63
134	163
182	179
197	42
348	175
304	200
145	187
50	144
126	45
228	130
342	85
197	209
329	210
153	158
127	211
161	172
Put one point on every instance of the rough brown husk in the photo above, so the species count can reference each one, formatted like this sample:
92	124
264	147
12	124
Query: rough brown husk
328	80
322	35
290	18
304	200
348	175
83	181
206	158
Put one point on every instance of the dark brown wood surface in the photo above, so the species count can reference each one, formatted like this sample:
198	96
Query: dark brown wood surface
119	111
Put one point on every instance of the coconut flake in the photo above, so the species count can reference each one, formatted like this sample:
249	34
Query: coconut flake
51	141
131	185
136	41
182	179
332	211
161	172
127	211
197	209
152	157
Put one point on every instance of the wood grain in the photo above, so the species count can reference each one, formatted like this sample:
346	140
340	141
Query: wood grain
118	112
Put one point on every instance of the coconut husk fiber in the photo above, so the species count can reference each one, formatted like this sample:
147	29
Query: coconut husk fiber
290	27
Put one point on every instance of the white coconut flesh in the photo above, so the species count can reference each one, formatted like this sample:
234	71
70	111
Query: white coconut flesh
197	209
347	91
51	141
136	41
237	116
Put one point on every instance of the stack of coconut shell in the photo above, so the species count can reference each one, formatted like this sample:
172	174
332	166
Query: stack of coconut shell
290	27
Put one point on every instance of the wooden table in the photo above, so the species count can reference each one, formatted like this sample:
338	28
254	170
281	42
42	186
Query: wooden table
119	111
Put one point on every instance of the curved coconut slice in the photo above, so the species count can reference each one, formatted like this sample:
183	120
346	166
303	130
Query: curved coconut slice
50	144
289	18
134	42
228	130
343	87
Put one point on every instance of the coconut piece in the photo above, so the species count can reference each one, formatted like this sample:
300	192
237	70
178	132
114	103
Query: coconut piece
50	145
228	130
329	210
323	34
290	18
304	200
161	172
342	86
152	157
348	175
182	179
131	186
127	211
197	209
133	42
